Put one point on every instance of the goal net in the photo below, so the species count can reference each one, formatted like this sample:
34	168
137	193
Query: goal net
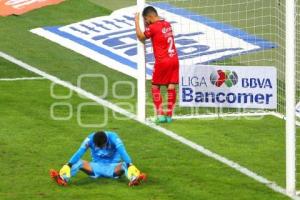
298	61
230	33
226	33
298	92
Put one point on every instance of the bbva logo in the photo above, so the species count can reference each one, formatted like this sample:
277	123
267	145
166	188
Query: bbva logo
224	77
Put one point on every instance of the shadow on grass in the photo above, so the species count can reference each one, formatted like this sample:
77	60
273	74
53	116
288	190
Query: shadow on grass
99	181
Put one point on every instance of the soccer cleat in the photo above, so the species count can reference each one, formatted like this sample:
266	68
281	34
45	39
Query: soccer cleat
142	177
169	119
160	119
56	177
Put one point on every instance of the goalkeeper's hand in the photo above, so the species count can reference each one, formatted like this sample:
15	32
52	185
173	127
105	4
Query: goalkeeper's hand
132	172
65	172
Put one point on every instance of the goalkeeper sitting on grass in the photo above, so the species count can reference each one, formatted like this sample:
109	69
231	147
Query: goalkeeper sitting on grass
109	159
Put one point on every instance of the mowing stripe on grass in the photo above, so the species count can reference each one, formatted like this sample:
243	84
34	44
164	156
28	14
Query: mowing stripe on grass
150	124
22	79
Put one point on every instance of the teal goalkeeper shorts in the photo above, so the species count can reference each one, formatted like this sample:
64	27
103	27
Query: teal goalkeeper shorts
103	169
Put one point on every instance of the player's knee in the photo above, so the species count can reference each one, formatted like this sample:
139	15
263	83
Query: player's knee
155	86
171	86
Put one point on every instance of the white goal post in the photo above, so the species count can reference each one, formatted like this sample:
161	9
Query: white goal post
290	89
287	61
141	62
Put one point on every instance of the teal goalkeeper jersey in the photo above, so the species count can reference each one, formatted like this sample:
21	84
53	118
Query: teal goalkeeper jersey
113	152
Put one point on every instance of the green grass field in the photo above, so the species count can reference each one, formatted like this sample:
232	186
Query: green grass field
32	142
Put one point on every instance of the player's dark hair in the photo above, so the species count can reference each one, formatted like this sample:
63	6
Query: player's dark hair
148	10
100	138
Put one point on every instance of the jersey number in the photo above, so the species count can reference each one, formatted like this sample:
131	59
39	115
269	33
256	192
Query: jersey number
171	44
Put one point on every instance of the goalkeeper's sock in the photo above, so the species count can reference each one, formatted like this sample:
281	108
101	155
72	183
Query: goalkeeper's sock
125	168
157	100
171	101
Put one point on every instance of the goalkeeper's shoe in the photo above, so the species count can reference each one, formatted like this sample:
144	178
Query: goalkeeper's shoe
138	180
57	178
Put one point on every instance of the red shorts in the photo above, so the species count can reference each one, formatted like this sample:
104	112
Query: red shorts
166	72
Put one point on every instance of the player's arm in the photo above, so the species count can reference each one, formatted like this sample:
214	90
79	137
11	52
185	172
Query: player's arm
139	33
133	173
121	149
124	155
65	171
80	152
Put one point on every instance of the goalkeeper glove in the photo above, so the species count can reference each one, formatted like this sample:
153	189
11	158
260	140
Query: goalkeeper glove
65	172
132	173
135	176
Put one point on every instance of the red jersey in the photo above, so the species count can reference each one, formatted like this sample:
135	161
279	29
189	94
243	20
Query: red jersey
162	38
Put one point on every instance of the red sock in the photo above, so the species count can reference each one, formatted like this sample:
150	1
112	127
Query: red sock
157	100
171	101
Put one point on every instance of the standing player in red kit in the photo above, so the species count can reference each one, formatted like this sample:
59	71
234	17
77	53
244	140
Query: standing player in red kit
166	68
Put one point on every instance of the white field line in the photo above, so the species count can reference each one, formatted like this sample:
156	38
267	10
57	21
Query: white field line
22	79
166	132
281	116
